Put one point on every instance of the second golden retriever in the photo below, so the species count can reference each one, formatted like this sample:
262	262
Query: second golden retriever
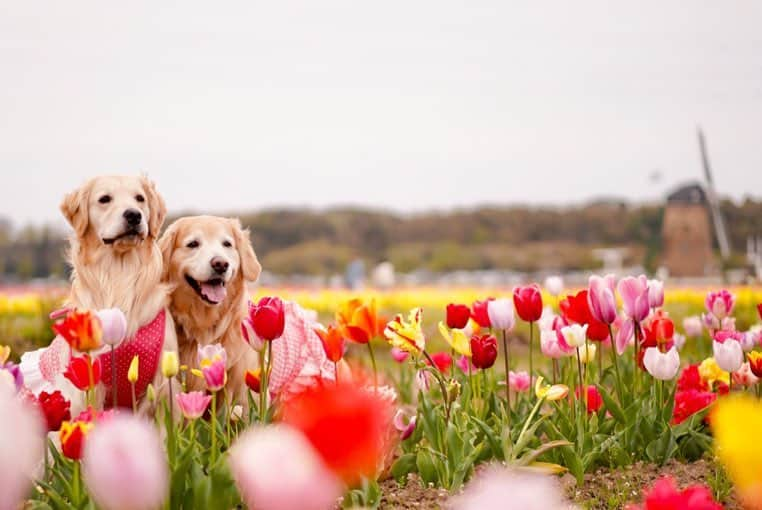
209	260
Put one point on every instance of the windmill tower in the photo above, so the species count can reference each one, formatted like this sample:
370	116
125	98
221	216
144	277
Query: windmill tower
692	219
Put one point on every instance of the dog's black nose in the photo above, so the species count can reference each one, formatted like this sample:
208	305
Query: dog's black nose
133	217
219	265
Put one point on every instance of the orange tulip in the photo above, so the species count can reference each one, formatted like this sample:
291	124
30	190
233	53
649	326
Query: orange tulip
755	362
359	321
333	342
253	379
81	329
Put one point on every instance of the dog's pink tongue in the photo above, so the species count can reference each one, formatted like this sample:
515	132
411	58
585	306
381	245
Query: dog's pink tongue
214	293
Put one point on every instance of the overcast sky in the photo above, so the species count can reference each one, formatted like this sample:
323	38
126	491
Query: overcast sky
401	104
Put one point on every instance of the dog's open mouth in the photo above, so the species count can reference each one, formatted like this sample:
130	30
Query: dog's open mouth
212	291
132	235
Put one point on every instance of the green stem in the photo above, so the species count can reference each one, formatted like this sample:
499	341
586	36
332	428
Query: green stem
265	379
373	363
442	387
192	434
615	363
134	399
214	430
531	349
113	378
75	486
507	373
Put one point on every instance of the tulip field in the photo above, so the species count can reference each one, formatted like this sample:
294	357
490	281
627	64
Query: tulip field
623	394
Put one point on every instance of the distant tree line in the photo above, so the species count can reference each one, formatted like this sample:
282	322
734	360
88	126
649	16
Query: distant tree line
522	238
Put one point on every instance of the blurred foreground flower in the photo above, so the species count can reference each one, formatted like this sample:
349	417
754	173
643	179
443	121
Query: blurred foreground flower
346	424
498	488
736	422
276	468
664	495
22	434
124	464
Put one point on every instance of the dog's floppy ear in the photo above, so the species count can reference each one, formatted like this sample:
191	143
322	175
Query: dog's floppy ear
75	209
167	247
156	207
250	267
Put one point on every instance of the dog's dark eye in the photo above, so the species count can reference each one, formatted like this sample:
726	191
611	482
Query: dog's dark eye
105	199
192	244
227	244
140	198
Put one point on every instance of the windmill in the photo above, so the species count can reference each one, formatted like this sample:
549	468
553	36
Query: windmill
711	195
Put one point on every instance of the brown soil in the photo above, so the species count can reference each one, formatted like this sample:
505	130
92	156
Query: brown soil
603	490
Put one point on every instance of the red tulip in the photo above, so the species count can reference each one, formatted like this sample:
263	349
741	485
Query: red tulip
659	333
78	372
81	329
443	361
483	351
594	400
458	315
347	424
333	342
664	494
759	310
267	318
577	309
690	379
480	314
690	402
72	437
55	408
528	302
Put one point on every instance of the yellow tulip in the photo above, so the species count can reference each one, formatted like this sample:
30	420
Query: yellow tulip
132	372
548	392
711	372
170	365
736	422
407	335
5	352
587	353
457	339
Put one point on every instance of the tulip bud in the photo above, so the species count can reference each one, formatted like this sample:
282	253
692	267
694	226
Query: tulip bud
170	365
692	326
132	372
151	393
252	379
114	325
236	414
587	353
453	390
500	312
655	293
554	285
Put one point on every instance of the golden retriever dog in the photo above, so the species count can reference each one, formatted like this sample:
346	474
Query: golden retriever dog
116	263
209	260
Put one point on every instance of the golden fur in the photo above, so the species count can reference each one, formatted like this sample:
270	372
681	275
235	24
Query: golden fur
198	322
127	273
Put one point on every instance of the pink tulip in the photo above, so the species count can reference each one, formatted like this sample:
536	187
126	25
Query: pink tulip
551	345
22	434
655	293
193	405
405	429
744	377
601	298
634	292
212	359
114	325
276	468
124	465
728	354
464	364
251	337
720	304
399	355
624	336
518	381
692	326
496	488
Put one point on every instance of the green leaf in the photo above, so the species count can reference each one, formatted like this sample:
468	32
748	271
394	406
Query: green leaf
403	466
613	407
425	465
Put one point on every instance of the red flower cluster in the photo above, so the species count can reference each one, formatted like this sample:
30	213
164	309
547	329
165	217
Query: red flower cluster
690	379
690	402
664	495
576	309
346	424
594	399
55	408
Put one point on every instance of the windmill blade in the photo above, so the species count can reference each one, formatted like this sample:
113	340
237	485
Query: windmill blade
714	206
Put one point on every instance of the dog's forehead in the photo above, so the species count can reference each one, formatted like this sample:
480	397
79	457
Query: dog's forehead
207	228
115	184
